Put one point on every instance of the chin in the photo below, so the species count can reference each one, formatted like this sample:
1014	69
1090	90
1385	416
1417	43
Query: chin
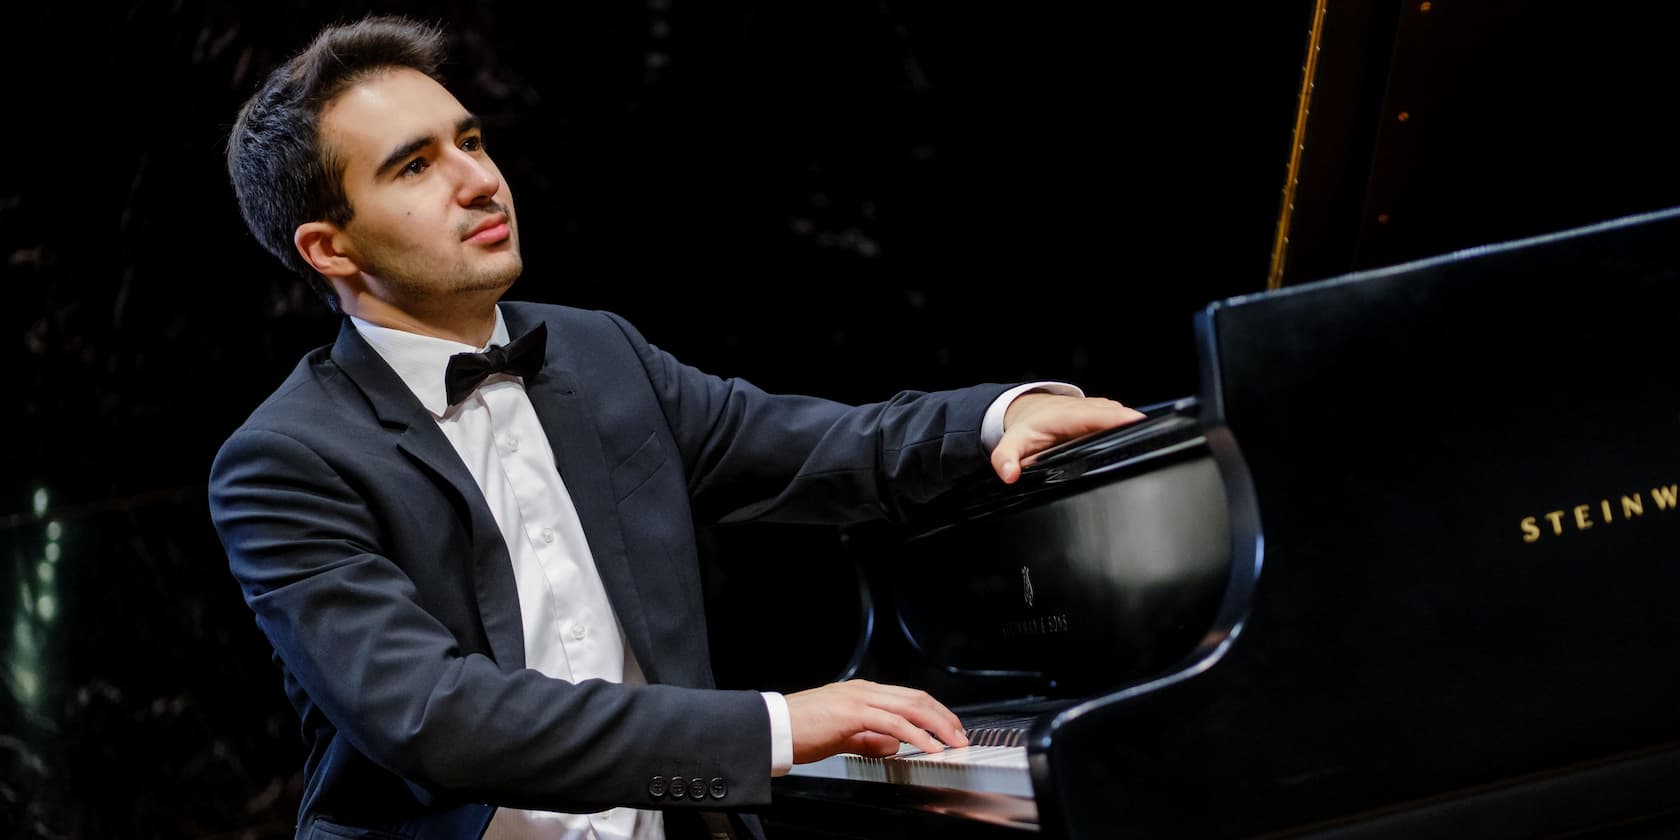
501	274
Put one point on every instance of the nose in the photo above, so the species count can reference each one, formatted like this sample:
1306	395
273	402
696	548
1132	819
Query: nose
478	176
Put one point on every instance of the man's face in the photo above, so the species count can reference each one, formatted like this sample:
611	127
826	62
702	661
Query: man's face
431	215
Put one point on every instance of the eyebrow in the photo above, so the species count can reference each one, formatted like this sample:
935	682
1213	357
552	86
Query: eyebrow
470	122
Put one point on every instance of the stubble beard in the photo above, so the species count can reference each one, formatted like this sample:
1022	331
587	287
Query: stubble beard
419	283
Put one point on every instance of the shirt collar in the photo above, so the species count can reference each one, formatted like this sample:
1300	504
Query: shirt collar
420	360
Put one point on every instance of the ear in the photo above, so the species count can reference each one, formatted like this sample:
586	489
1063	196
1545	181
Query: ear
324	246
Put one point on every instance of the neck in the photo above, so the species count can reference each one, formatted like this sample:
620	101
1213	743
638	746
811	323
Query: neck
465	317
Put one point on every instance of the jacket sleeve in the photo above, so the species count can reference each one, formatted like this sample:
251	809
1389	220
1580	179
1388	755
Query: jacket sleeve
345	622
797	459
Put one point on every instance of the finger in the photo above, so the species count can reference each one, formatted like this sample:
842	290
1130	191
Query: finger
871	743
931	718
1035	436
887	723
1006	459
943	722
904	700
1086	416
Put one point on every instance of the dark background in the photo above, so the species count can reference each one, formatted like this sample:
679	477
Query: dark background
839	198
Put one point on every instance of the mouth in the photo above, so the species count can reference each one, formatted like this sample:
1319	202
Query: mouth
490	231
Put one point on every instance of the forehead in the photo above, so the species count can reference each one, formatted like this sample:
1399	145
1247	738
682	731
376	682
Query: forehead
382	112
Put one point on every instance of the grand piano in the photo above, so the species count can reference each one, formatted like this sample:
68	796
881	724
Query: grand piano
1405	566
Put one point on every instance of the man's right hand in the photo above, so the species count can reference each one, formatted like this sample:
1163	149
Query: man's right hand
859	716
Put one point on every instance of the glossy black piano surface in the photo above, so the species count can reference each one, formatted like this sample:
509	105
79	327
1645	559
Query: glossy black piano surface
1107	562
1405	567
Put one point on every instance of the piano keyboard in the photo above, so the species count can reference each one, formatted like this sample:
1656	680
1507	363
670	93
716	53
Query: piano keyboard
990	746
972	756
994	734
995	761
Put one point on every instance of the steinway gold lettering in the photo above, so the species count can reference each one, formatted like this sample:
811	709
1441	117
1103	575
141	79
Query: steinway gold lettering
1581	516
1556	517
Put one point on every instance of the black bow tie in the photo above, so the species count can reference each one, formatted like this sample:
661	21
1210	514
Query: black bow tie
521	357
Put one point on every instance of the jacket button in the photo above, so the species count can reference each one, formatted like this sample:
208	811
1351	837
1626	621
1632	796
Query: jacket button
679	787
719	789
696	788
656	787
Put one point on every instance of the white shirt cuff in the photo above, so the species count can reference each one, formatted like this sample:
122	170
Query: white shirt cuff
991	428
781	734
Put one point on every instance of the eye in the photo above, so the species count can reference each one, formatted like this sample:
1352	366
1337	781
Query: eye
415	167
473	144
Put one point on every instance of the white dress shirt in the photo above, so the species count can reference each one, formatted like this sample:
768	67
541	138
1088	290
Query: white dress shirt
571	632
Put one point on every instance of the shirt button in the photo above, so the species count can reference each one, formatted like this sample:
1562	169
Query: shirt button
578	631
513	443
548	535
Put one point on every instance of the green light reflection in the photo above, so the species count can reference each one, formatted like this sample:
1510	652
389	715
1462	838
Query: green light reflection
23	638
28	683
37	610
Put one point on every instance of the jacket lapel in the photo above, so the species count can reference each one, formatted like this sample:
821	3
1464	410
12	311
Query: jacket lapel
583	468
418	435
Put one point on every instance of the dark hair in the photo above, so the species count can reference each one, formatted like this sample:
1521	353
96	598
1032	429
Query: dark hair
282	174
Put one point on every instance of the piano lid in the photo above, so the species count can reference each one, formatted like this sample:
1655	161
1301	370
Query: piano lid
1467	473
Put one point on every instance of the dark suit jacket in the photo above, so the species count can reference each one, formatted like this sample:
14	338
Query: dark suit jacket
373	565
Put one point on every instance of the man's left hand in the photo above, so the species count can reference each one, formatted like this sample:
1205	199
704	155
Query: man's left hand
1037	421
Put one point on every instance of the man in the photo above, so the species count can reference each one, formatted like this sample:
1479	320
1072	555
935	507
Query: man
478	570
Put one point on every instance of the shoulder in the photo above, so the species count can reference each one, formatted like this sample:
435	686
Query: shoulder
581	330
526	313
315	399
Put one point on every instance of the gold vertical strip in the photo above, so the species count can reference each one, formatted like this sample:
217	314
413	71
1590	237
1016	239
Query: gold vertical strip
1280	242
